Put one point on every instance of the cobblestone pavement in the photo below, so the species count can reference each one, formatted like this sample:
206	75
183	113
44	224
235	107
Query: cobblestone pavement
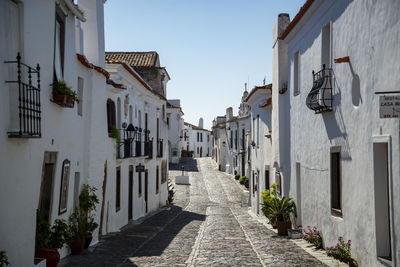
207	226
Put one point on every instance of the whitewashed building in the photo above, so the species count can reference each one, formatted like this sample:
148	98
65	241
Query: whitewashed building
197	139
260	102
138	175
175	129
340	161
244	131
220	142
48	148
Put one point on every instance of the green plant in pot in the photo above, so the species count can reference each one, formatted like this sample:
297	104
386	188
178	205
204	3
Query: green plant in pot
281	210
87	203
49	239
62	94
267	198
77	224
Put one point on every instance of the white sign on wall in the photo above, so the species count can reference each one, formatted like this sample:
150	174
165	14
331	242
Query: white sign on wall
389	106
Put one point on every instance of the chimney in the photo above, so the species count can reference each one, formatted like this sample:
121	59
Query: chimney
93	31
229	113
201	123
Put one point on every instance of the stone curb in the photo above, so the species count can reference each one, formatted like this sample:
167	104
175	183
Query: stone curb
316	253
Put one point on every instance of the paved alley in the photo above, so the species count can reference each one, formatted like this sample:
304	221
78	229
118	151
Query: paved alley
208	225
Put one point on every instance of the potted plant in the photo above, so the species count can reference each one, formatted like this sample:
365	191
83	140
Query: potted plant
87	204
63	95
50	239
267	197
281	210
77	223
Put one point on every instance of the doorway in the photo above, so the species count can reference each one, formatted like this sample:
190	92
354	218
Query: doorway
130	193
382	200
46	186
146	187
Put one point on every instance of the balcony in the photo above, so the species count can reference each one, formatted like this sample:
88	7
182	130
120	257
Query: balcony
131	144
159	148
320	97
25	98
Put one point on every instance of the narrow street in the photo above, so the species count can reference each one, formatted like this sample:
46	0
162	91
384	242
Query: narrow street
208	225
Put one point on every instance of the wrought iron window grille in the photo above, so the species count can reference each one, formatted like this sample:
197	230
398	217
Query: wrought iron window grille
320	97
29	108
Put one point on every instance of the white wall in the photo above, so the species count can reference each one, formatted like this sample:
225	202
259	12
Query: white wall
367	32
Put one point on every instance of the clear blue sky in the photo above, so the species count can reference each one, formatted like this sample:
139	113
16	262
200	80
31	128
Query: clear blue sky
209	47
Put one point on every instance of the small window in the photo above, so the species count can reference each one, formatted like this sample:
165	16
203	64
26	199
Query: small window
231	146
110	115
80	95
296	74
59	40
266	177
336	186
168	122
198	136
130	115
201	137
258	130
157	179
118	190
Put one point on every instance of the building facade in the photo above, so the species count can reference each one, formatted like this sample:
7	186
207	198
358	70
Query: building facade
197	139
343	146
175	130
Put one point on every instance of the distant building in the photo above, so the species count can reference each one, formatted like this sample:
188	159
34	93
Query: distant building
197	139
175	129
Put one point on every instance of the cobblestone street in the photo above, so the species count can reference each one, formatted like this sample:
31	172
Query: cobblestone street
208	225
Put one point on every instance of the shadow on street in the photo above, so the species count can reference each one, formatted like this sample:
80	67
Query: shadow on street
189	164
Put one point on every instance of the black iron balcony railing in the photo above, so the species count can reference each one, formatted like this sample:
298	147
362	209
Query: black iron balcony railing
131	144
159	148
27	100
320	97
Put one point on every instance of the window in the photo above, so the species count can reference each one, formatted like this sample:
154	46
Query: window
296	75
157	179
236	139
336	194
118	113
130	115
59	39
198	150
231	146
140	119
118	190
168	122
80	95
326	46
110	115
164	171
243	136
140	183
266	177
198	136
201	137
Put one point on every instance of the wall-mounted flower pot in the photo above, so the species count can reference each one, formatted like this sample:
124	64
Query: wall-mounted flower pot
63	100
283	227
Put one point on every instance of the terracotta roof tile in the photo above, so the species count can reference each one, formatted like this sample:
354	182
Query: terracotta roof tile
195	127
85	62
135	59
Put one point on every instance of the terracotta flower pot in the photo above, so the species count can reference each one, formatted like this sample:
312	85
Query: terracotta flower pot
59	98
283	227
50	254
76	246
88	239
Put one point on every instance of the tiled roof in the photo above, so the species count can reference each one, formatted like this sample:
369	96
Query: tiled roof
85	62
135	59
296	19
256	88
